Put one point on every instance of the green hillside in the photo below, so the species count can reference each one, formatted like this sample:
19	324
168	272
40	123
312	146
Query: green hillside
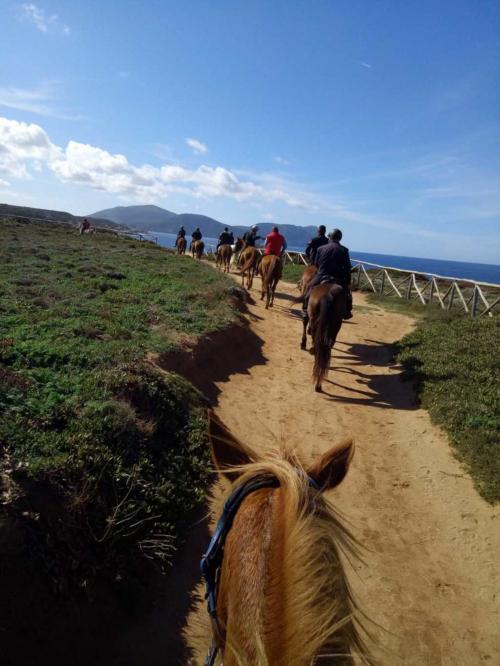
102	452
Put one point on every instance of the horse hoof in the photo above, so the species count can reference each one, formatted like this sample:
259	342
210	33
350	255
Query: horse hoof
318	389
302	345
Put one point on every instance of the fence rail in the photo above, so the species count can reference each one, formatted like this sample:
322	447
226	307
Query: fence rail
472	297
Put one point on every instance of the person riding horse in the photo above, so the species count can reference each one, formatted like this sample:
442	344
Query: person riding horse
333	264
196	235
315	243
251	236
226	238
181	233
275	243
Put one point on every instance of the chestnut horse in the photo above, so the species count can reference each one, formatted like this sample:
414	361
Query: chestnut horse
325	312
181	244
270	270
197	248
237	248
249	262
223	260
307	276
281	596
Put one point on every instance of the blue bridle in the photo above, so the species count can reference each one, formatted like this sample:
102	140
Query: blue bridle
211	562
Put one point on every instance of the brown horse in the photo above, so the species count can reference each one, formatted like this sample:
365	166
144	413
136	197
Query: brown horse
181	244
270	270
197	248
223	260
282	598
325	312
307	276
238	247
249	263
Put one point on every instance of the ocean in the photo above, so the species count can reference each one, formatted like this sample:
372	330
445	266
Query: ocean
458	269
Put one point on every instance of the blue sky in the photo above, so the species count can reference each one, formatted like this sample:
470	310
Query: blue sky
381	118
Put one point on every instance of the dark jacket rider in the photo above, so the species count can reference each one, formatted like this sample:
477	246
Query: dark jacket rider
181	233
226	238
315	243
196	235
251	236
333	263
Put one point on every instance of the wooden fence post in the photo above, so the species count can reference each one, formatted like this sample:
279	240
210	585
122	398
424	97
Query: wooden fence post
473	306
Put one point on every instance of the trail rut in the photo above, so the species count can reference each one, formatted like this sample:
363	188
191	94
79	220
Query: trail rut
431	576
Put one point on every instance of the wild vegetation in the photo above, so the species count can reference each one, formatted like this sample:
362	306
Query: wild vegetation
453	363
103	454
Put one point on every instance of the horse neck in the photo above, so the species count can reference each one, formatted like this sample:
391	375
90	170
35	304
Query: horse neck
252	588
283	595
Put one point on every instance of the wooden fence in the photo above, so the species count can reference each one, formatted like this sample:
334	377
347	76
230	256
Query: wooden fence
474	298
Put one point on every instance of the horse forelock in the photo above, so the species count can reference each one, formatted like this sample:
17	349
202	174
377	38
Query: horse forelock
308	607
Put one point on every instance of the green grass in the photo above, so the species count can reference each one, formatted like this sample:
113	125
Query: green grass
454	364
106	453
292	272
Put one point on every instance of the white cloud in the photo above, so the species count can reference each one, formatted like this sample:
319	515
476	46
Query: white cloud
281	160
24	148
41	20
22	145
365	64
198	147
37	100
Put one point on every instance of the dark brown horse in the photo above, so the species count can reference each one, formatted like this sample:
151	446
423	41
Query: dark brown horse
249	263
197	248
325	312
181	244
223	260
270	270
283	598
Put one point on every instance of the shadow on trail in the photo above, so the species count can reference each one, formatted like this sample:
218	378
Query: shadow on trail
216	357
384	391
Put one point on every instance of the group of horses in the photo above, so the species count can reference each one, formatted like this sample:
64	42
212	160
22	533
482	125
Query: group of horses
326	304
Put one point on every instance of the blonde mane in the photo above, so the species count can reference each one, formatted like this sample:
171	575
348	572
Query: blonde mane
318	619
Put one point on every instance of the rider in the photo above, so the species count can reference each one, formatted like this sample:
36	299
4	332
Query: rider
225	238
196	235
275	243
333	264
315	243
181	233
251	236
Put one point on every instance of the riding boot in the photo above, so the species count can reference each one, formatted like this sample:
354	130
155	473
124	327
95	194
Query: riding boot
348	308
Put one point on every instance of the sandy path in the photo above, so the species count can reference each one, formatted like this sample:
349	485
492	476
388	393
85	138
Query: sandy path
432	572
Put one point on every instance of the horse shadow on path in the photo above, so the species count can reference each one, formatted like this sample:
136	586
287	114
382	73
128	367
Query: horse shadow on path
372	389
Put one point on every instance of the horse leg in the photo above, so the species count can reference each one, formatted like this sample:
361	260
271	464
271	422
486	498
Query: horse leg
303	342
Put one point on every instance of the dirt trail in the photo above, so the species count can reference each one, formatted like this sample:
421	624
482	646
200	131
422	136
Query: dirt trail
432	572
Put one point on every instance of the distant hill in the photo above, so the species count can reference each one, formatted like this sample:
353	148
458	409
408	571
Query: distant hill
55	216
154	218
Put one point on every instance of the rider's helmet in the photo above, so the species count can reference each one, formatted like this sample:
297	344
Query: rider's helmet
254	227
322	229
226	229
336	235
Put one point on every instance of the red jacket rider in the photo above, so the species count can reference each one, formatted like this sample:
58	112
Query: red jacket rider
275	243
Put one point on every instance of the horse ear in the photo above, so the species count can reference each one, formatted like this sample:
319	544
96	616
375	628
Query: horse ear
330	468
226	450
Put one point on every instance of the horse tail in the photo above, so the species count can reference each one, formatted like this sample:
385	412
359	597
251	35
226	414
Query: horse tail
247	265
325	336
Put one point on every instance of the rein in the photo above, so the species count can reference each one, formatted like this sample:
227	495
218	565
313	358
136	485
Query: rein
211	562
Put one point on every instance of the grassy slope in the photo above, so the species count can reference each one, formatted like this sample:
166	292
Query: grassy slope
453	361
105	452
